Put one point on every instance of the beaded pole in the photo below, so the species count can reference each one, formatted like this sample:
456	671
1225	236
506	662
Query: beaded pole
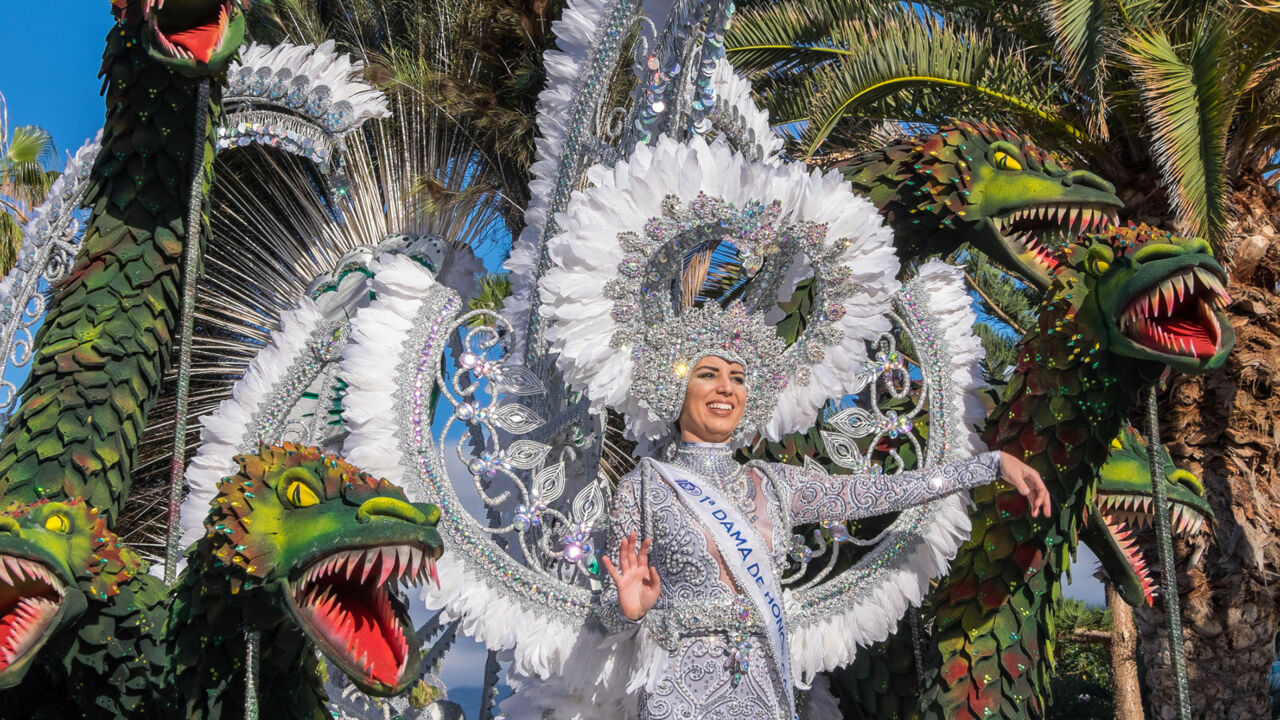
252	645
190	265
1168	580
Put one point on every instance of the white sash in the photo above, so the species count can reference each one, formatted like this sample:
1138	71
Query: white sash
746	556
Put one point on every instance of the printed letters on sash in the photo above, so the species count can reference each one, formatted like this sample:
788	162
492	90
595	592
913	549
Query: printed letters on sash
746	556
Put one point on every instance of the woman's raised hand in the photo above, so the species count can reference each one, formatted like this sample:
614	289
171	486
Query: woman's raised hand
1025	478
637	581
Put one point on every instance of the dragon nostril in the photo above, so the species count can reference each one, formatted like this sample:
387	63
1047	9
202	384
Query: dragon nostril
390	508
1089	180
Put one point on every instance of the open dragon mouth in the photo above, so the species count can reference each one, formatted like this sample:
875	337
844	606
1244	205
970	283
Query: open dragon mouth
30	594
346	600
1036	232
1176	316
197	41
1126	515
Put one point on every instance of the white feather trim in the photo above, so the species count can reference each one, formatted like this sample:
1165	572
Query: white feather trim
369	366
586	253
733	97
321	66
834	640
574	33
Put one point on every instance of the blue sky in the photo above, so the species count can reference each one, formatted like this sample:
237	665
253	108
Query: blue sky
49	72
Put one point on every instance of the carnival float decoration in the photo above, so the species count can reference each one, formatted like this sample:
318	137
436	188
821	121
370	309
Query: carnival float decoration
353	424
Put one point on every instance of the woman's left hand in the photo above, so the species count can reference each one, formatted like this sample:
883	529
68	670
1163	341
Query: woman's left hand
1025	478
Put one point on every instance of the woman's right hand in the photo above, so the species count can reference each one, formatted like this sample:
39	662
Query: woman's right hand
637	581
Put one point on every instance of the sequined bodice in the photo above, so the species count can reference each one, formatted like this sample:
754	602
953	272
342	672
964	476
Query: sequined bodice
694	583
693	619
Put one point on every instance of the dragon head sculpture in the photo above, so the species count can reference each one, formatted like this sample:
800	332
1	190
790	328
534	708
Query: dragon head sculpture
55	559
982	184
307	549
1154	296
193	37
79	617
1122	508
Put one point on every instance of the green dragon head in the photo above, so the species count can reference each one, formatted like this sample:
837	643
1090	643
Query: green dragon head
982	184
305	537
193	37
55	559
1155	296
1122	508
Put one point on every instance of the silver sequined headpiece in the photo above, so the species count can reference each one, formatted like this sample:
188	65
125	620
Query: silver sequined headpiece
642	287
671	350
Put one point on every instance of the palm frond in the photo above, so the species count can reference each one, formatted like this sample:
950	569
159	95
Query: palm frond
779	37
1082	35
907	52
1185	104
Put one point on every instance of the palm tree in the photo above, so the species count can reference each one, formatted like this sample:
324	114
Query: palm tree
478	63
1175	102
24	180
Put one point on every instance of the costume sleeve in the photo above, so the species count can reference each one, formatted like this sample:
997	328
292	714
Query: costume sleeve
624	519
816	496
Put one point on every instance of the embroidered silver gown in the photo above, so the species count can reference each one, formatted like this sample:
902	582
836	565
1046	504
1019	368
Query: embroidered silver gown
694	617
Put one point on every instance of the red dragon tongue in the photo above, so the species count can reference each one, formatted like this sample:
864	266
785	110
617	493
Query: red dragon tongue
1177	317
29	599
199	42
346	596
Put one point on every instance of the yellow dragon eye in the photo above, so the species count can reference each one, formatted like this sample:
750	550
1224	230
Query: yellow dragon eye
1005	161
301	495
58	524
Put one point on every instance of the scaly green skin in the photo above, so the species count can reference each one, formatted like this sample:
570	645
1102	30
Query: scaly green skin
943	189
105	342
246	572
98	656
1078	376
985	185
882	683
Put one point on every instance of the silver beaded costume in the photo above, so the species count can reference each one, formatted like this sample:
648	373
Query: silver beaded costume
696	614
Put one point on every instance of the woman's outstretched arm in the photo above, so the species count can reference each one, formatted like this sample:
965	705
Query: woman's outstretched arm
816	496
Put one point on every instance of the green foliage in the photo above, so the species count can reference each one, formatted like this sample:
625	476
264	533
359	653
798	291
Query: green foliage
1006	308
25	153
1177	92
478	63
494	290
1082	673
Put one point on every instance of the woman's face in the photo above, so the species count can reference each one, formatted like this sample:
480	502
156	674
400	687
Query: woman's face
714	401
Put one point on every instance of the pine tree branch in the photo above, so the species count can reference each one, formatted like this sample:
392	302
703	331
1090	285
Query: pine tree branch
995	309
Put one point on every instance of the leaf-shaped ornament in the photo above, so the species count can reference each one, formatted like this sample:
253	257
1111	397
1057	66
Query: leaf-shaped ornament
526	454
548	483
516	418
519	380
813	465
589	505
843	451
855	422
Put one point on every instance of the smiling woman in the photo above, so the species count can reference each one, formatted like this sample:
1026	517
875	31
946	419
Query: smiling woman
716	539
714	401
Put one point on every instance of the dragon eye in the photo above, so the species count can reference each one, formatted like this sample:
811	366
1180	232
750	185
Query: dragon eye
1005	161
58	524
300	495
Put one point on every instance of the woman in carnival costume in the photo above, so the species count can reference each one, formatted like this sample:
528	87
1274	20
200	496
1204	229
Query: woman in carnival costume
657	293
698	542
702	539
